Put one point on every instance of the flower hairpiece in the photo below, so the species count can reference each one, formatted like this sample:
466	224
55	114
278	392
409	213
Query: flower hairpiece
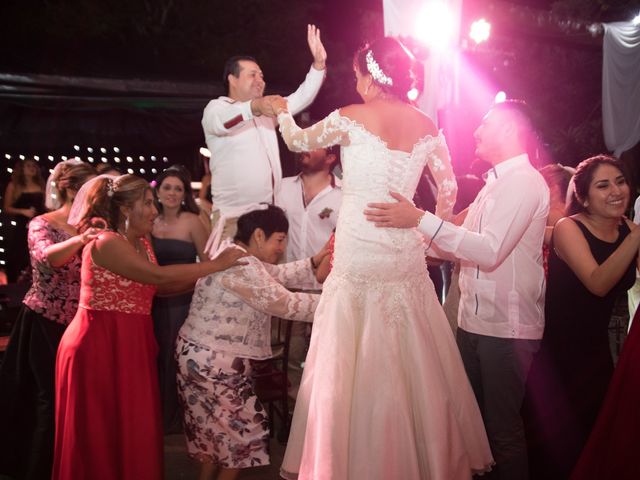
110	188
376	72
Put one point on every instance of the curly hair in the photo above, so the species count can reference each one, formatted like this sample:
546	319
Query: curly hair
107	196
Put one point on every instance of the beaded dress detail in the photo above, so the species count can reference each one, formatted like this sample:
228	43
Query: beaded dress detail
384	393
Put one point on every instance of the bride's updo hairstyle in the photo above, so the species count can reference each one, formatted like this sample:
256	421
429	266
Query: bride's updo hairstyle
390	64
105	198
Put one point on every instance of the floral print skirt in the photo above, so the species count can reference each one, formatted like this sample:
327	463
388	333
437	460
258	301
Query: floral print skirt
224	422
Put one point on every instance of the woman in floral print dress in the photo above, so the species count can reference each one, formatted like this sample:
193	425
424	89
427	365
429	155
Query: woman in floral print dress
229	325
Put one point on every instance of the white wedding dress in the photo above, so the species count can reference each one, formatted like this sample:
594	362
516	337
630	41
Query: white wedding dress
384	394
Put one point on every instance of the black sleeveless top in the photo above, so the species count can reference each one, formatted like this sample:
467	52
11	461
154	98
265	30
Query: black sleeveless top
571	310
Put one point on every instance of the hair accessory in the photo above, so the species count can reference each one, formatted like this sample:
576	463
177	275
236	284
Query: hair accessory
376	72
110	188
80	203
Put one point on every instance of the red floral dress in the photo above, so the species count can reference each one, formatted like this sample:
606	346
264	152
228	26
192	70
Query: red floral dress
107	399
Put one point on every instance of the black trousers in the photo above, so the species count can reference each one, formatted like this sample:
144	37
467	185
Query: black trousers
497	369
27	397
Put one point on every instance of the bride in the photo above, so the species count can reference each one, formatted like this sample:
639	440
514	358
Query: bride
384	394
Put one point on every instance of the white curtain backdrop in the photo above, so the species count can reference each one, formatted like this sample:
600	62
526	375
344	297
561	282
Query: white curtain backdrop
440	69
621	86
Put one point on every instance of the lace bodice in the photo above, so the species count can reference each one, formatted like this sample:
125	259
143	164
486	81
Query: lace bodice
231	310
104	290
371	171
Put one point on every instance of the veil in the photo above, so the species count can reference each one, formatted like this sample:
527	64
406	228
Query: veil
79	207
52	193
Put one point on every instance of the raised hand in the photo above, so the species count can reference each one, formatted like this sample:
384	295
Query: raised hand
316	47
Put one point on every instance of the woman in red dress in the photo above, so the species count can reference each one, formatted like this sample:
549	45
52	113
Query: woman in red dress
612	450
107	399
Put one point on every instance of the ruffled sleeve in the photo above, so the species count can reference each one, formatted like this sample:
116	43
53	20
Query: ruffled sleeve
332	130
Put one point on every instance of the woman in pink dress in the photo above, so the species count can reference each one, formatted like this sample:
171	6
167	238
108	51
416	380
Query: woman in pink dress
107	398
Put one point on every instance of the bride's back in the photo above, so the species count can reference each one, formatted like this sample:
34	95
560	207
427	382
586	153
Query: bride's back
398	124
387	149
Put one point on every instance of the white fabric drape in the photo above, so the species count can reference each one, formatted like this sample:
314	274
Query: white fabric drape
621	86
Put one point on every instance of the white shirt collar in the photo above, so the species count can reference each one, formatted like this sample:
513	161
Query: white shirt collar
500	169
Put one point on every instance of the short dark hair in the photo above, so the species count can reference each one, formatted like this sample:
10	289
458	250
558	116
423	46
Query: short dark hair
584	176
232	67
271	220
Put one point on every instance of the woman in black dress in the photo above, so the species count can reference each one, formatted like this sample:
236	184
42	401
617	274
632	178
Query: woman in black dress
592	262
23	200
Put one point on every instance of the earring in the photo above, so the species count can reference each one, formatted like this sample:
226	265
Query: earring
126	224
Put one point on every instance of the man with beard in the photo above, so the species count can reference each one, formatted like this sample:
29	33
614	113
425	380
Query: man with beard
311	201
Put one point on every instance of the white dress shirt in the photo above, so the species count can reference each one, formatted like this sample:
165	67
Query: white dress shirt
245	160
502	282
310	226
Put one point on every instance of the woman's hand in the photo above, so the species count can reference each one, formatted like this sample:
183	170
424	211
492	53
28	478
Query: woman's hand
89	234
318	257
402	214
229	257
316	47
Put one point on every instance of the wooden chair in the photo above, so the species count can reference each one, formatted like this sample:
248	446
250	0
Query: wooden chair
271	378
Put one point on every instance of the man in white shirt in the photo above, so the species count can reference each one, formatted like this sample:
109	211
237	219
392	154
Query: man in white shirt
240	133
502	284
311	201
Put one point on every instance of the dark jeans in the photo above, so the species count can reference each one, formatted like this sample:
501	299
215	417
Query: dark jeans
497	369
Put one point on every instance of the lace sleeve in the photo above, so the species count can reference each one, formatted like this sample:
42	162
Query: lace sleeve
39	238
439	163
292	274
332	130
253	284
